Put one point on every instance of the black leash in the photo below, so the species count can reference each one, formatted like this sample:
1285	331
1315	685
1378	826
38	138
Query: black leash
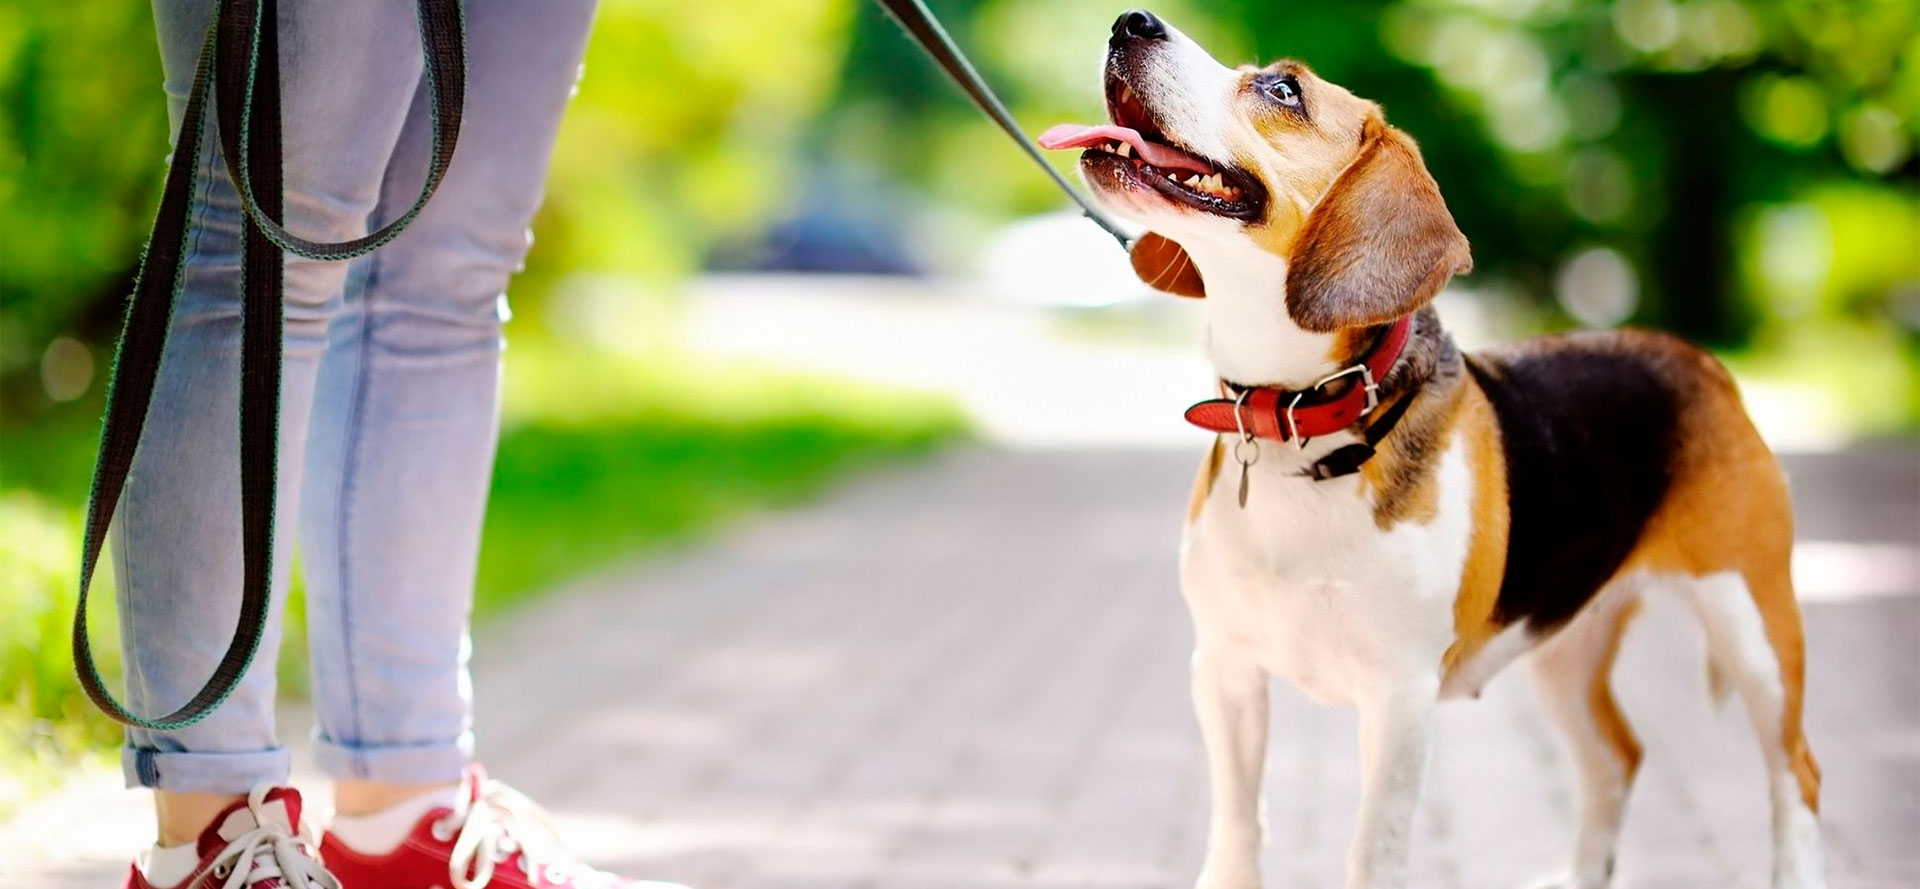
239	66
933	39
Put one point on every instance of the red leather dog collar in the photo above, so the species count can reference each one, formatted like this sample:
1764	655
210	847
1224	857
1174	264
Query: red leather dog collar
1286	414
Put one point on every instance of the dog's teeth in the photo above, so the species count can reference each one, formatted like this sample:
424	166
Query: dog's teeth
1173	176
1125	149
1193	182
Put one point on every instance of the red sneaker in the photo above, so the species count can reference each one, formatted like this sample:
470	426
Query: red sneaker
258	843
495	839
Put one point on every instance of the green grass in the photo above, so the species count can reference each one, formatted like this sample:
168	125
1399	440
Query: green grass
645	451
603	456
44	718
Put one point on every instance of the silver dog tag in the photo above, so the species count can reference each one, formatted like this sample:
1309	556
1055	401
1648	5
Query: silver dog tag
1245	462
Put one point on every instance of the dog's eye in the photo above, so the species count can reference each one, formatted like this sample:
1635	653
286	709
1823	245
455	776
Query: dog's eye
1283	89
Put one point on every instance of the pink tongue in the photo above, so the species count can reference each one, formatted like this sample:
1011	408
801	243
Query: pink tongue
1073	135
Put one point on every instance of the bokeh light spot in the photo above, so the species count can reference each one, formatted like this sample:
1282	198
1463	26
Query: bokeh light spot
1795	254
1872	139
1789	110
1647	25
1721	29
66	369
1598	287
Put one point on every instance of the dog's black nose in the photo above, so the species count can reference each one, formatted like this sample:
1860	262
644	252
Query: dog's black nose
1141	24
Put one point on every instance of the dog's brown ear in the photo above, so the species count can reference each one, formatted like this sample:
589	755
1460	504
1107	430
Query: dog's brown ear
1379	245
1166	266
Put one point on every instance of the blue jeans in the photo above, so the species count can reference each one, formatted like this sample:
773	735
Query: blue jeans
389	402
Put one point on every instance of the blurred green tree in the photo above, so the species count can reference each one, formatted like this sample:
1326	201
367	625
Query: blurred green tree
683	131
1723	168
82	151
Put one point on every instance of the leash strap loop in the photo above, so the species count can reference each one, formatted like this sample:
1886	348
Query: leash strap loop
934	41
241	54
241	92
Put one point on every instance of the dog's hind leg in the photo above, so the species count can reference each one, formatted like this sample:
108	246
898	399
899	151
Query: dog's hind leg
1571	673
1230	699
1753	630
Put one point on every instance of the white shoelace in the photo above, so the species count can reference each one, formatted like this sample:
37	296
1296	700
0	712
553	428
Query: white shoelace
268	850
492	830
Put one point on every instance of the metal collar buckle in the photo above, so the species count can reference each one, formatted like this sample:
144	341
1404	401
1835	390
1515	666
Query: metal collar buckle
1367	382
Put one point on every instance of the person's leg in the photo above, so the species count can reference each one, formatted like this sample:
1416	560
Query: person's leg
406	418
349	71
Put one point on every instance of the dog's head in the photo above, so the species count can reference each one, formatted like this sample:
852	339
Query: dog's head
1273	159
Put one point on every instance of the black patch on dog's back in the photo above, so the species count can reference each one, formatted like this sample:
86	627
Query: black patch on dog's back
1589	427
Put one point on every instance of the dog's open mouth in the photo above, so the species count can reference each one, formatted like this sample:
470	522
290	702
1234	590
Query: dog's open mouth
1134	148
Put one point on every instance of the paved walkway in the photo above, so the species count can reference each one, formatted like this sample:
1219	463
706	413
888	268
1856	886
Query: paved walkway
971	675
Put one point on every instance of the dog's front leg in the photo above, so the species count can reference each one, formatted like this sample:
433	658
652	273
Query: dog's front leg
1230	697
1395	731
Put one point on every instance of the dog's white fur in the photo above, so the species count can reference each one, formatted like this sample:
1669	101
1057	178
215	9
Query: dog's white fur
1302	582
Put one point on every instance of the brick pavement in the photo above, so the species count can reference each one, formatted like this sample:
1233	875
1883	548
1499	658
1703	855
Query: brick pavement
973	675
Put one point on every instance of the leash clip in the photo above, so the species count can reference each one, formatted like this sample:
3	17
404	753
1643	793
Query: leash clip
1366	382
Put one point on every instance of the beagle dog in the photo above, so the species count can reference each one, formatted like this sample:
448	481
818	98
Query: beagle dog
1388	522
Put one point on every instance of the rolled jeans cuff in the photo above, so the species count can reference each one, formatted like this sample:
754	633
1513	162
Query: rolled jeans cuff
430	763
204	772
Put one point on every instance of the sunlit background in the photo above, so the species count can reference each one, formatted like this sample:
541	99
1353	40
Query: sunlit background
784	196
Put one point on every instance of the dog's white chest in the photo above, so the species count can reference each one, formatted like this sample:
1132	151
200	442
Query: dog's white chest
1306	583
